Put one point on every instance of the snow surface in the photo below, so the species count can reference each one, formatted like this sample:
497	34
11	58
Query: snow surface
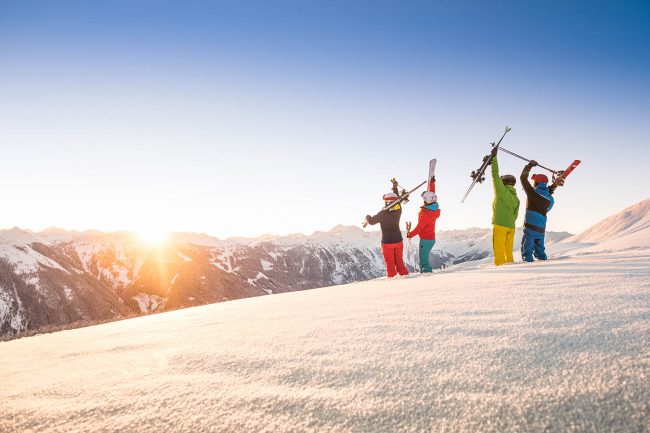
562	345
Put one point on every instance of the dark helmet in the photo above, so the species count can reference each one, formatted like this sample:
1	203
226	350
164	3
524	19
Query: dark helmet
509	179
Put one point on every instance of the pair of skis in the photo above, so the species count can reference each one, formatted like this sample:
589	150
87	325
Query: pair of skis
404	195
478	176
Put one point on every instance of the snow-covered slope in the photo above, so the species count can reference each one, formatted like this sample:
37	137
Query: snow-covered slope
629	228
56	277
554	346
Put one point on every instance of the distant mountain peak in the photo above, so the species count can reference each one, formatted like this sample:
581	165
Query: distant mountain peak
340	228
20	237
629	221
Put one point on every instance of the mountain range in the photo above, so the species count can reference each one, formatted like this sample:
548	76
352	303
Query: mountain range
57	277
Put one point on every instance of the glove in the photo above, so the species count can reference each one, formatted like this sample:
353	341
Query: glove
433	178
408	228
368	218
394	181
494	151
532	163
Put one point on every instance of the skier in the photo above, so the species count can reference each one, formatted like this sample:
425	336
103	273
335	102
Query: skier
392	245
538	202
426	227
505	209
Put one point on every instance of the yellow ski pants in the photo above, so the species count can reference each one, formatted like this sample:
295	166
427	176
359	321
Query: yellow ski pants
503	239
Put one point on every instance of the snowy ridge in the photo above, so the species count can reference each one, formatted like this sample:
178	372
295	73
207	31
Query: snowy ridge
19	237
627	229
626	222
15	247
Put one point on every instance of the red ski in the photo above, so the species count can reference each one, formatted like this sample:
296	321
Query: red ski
558	179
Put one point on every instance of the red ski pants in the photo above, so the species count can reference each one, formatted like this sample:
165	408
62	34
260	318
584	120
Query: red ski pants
394	260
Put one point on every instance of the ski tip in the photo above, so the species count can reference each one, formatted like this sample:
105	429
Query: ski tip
508	129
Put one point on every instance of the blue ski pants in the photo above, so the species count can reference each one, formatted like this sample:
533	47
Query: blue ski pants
532	244
425	249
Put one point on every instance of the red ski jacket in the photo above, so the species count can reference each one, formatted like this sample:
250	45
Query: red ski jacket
426	227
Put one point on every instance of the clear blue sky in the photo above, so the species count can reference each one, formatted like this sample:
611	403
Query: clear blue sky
242	118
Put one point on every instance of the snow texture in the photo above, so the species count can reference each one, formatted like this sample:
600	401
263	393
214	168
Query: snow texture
562	345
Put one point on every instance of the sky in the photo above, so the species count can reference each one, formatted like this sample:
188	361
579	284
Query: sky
240	118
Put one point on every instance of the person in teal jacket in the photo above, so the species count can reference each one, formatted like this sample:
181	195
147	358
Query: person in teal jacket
426	227
505	209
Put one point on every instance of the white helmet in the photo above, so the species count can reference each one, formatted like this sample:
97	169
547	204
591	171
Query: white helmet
429	197
390	196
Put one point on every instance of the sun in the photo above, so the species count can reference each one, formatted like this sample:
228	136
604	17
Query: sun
153	237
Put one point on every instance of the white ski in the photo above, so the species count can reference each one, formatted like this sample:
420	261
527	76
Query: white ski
432	172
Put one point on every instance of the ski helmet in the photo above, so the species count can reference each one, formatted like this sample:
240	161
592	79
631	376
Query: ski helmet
429	197
540	178
390	196
509	179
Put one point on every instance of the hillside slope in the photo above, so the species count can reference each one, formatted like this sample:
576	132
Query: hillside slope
628	228
553	346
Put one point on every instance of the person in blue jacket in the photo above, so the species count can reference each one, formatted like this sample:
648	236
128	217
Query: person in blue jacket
539	202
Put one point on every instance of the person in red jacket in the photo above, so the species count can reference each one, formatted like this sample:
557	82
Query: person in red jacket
426	227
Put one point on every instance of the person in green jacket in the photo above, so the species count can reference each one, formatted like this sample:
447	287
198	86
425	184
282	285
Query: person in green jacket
505	209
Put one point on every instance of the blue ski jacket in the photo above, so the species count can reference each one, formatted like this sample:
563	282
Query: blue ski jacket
538	202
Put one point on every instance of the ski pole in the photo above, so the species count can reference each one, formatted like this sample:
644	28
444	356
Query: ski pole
525	159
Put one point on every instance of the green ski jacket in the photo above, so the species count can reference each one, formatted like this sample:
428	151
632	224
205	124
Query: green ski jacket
505	206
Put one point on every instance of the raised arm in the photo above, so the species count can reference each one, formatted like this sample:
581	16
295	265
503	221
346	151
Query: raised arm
499	187
524	178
